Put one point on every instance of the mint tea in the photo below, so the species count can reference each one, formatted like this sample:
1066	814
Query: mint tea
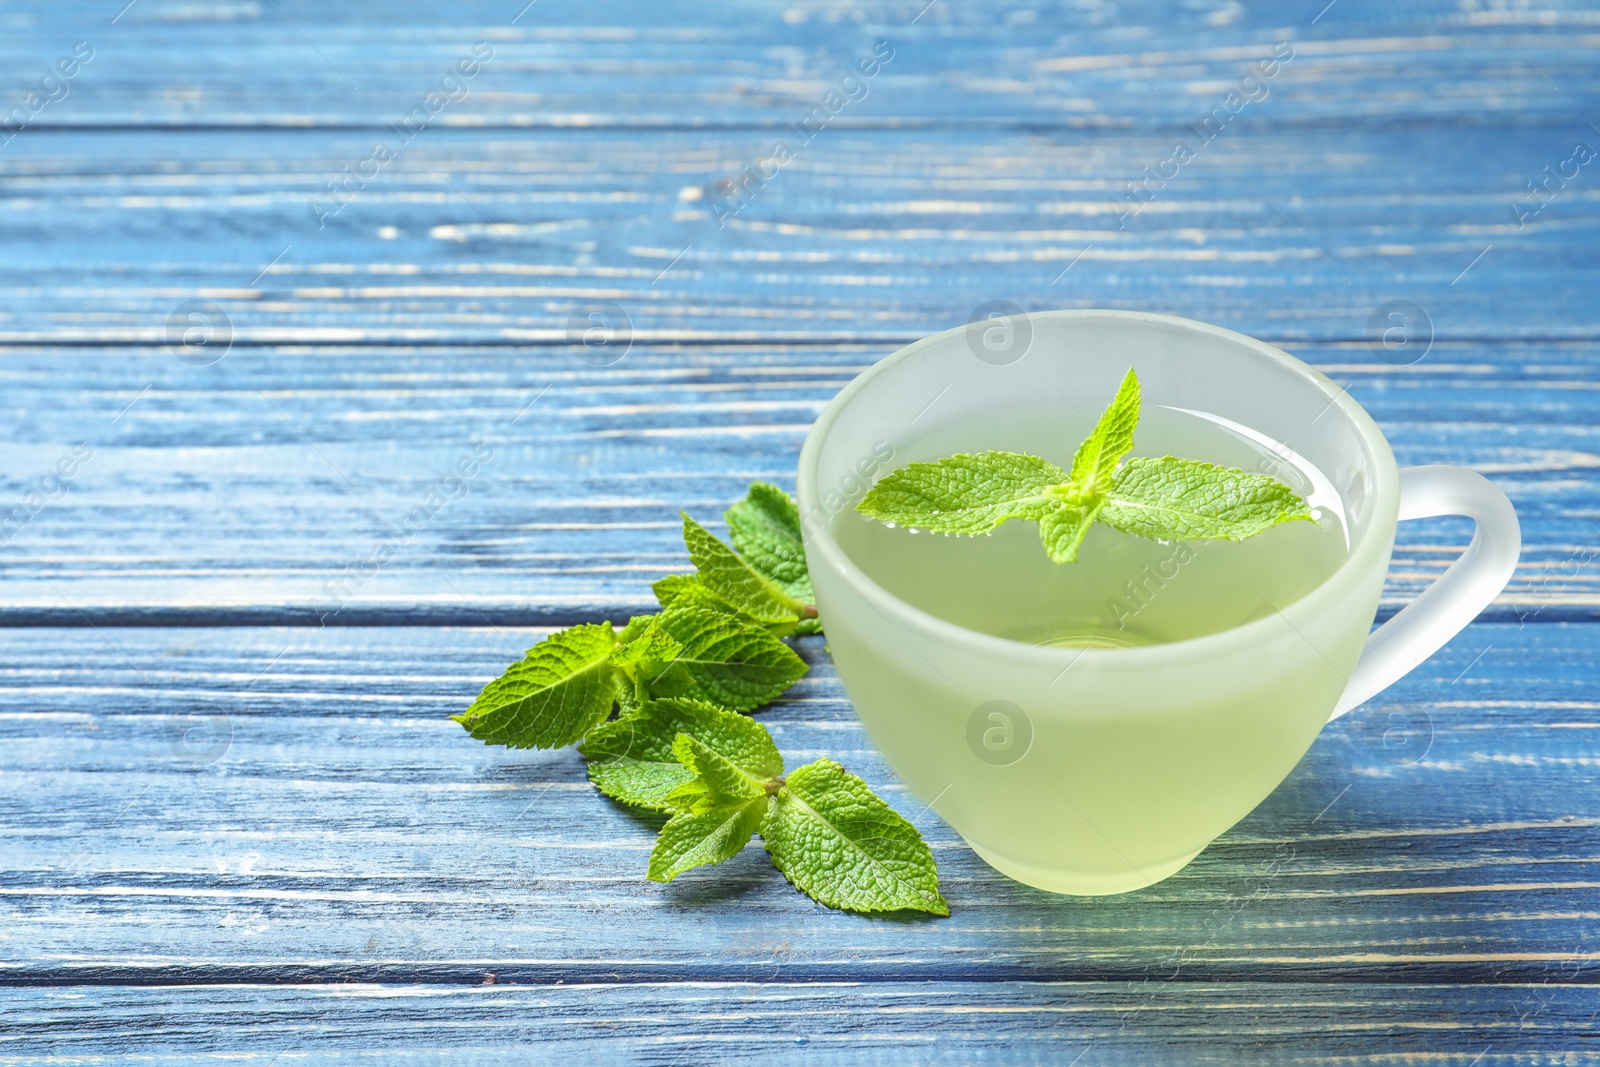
1124	591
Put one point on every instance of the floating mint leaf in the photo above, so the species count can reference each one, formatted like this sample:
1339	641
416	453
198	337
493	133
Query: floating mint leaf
838	843
734	581
765	528
700	838
564	686
1064	529
1181	499
631	759
965	494
1112	438
724	660
1163	499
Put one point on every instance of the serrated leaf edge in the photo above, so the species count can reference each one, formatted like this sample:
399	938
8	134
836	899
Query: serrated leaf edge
788	795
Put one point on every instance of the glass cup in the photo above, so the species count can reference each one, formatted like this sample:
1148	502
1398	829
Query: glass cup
1102	770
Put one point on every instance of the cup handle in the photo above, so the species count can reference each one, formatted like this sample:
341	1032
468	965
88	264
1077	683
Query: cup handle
1445	608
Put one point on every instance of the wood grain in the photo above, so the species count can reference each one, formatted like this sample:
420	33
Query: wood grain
782	1021
297	63
1296	233
282	805
238	492
222	839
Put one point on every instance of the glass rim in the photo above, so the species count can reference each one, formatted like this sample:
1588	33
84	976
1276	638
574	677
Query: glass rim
1375	540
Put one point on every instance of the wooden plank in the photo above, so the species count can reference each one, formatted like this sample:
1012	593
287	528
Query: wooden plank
281	805
779	1021
344	831
299	63
884	236
238	492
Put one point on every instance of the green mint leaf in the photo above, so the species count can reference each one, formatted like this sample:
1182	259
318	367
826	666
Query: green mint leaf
1063	530
1180	499
718	780
643	651
626	766
838	843
632	759
765	528
734	581
644	647
635	628
699	838
561	688
687	590
725	803
725	660
629	694
965	494
1112	438
677	589
1163	499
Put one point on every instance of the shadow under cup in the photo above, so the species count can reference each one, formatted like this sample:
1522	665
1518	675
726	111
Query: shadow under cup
1093	770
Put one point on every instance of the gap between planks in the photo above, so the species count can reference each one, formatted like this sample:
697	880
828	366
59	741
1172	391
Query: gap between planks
1397	971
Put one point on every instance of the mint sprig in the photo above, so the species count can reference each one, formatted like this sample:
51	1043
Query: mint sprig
676	682
824	828
1166	499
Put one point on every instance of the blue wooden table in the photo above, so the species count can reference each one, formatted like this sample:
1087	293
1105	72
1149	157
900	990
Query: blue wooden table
271	267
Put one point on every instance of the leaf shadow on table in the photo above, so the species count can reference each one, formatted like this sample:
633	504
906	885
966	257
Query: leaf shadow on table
646	820
707	887
703	886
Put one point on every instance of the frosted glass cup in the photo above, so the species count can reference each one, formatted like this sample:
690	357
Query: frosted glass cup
1130	762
